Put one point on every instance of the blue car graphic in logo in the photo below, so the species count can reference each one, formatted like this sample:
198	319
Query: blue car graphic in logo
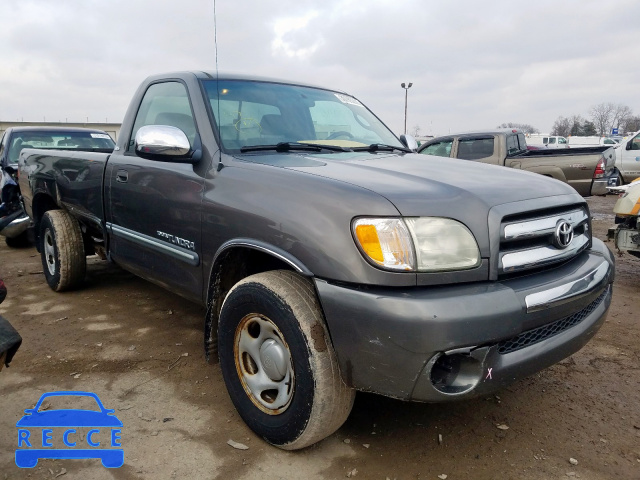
38	430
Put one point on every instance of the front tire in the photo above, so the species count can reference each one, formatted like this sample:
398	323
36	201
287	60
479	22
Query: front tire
278	362
62	250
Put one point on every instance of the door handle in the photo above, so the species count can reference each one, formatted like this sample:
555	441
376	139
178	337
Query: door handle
122	176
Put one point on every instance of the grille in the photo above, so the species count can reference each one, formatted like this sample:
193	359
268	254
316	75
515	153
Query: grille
539	334
529	242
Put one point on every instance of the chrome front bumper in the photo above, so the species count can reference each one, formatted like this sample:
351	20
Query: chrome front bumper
14	224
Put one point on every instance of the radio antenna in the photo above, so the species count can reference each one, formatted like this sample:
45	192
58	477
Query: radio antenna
215	35
215	43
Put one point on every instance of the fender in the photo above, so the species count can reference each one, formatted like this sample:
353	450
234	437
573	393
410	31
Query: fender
213	290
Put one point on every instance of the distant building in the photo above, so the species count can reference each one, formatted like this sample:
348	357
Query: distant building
113	129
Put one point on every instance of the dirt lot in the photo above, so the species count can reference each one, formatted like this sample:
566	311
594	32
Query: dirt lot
140	349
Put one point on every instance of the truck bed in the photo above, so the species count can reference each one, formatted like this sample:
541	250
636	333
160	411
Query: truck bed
558	152
73	177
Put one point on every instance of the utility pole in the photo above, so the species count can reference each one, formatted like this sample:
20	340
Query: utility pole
406	92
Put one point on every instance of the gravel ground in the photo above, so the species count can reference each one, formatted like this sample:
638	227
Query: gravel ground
140	349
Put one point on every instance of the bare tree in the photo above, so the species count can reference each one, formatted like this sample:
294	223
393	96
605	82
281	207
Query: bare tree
609	115
631	124
562	126
620	115
525	127
415	131
602	115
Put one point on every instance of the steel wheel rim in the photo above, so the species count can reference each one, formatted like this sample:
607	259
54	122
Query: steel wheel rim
264	364
49	252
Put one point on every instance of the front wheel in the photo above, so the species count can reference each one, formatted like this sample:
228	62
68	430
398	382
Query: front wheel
62	250
278	362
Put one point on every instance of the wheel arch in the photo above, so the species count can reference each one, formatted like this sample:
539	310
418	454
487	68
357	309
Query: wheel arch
40	205
235	260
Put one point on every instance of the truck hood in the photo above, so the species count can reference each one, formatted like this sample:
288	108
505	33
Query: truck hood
427	185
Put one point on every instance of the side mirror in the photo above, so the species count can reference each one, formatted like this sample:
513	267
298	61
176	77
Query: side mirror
409	142
628	146
162	142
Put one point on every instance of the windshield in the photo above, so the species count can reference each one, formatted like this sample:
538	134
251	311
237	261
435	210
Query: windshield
251	113
58	140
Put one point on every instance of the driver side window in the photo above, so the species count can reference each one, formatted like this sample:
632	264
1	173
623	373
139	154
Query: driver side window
439	149
165	103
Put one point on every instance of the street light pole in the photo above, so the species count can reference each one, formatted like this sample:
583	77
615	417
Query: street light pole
406	92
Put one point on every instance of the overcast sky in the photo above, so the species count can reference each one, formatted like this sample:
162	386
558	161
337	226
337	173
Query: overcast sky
473	64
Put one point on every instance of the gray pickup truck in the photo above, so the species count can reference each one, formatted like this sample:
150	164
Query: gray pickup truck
329	257
588	169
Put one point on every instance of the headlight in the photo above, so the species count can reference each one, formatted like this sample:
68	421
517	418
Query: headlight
422	244
386	241
443	244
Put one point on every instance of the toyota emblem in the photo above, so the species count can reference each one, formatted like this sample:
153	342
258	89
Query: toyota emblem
563	235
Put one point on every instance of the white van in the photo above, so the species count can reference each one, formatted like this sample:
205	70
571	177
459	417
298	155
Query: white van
628	158
593	141
544	140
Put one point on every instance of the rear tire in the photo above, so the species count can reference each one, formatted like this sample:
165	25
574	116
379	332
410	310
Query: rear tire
62	250
278	362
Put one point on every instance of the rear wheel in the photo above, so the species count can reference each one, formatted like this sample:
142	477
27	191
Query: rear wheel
62	250
278	362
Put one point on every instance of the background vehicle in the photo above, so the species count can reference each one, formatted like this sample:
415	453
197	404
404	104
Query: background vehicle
589	170
544	140
10	339
628	158
593	141
330	257
627	210
13	220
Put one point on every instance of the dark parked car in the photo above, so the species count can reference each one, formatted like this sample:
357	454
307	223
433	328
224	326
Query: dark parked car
14	222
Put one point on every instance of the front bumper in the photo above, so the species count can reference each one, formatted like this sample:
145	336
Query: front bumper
14	224
454	342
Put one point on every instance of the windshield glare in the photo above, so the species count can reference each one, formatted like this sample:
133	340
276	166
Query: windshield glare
251	113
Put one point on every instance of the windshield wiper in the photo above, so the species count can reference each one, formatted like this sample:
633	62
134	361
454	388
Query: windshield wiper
281	147
290	146
333	148
381	147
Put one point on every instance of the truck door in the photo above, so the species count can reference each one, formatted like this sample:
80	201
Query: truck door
154	207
